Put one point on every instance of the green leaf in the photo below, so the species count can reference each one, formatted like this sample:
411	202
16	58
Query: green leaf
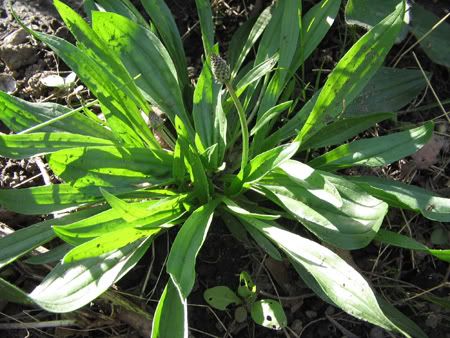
138	47
106	77
71	286
170	318
94	47
435	45
205	99
376	151
405	242
158	213
238	210
109	166
246	288
235	227
24	240
313	181
164	22
333	277
120	111
250	77
251	38
187	244
124	8
262	241
351	226
292	126
315	24
11	293
269	313
54	255
193	163
389	90
261	165
354	71
51	198
209	119
19	115
178	168
367	14
108	243
206	25
405	196
27	145
220	297
341	130
289	15
270	115
128	211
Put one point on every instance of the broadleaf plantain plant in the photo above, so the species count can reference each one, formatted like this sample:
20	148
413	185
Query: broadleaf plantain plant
127	179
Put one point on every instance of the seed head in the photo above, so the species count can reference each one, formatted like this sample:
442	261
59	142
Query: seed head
220	69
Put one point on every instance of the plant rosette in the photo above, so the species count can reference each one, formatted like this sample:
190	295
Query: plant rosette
241	130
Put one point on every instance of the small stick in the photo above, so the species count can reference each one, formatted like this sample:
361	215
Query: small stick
421	38
50	323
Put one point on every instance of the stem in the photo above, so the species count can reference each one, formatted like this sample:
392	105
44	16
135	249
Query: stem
243	122
58	118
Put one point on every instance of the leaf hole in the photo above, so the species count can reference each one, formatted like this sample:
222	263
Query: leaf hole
98	245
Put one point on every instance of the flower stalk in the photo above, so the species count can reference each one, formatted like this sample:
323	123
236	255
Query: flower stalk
222	74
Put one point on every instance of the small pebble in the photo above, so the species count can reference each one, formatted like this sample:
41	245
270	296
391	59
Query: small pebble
311	314
16	38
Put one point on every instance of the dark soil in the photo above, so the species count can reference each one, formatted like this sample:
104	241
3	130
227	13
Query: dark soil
407	280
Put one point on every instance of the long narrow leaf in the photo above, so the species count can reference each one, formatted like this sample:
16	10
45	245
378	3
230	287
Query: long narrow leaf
27	145
187	244
375	152
251	38
94	47
71	286
24	240
19	115
389	90
107	243
354	71
402	195
351	226
341	130
164	22
124	8
138	48
263	164
110	166
206	25
402	241
50	198
170	319
335	278
157	213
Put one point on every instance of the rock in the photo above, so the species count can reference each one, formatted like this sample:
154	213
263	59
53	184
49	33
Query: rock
376	332
311	314
16	57
297	326
7	83
17	37
433	320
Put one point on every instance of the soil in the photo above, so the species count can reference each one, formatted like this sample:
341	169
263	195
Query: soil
407	280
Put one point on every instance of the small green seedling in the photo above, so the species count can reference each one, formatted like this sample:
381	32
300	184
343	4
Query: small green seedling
266	312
